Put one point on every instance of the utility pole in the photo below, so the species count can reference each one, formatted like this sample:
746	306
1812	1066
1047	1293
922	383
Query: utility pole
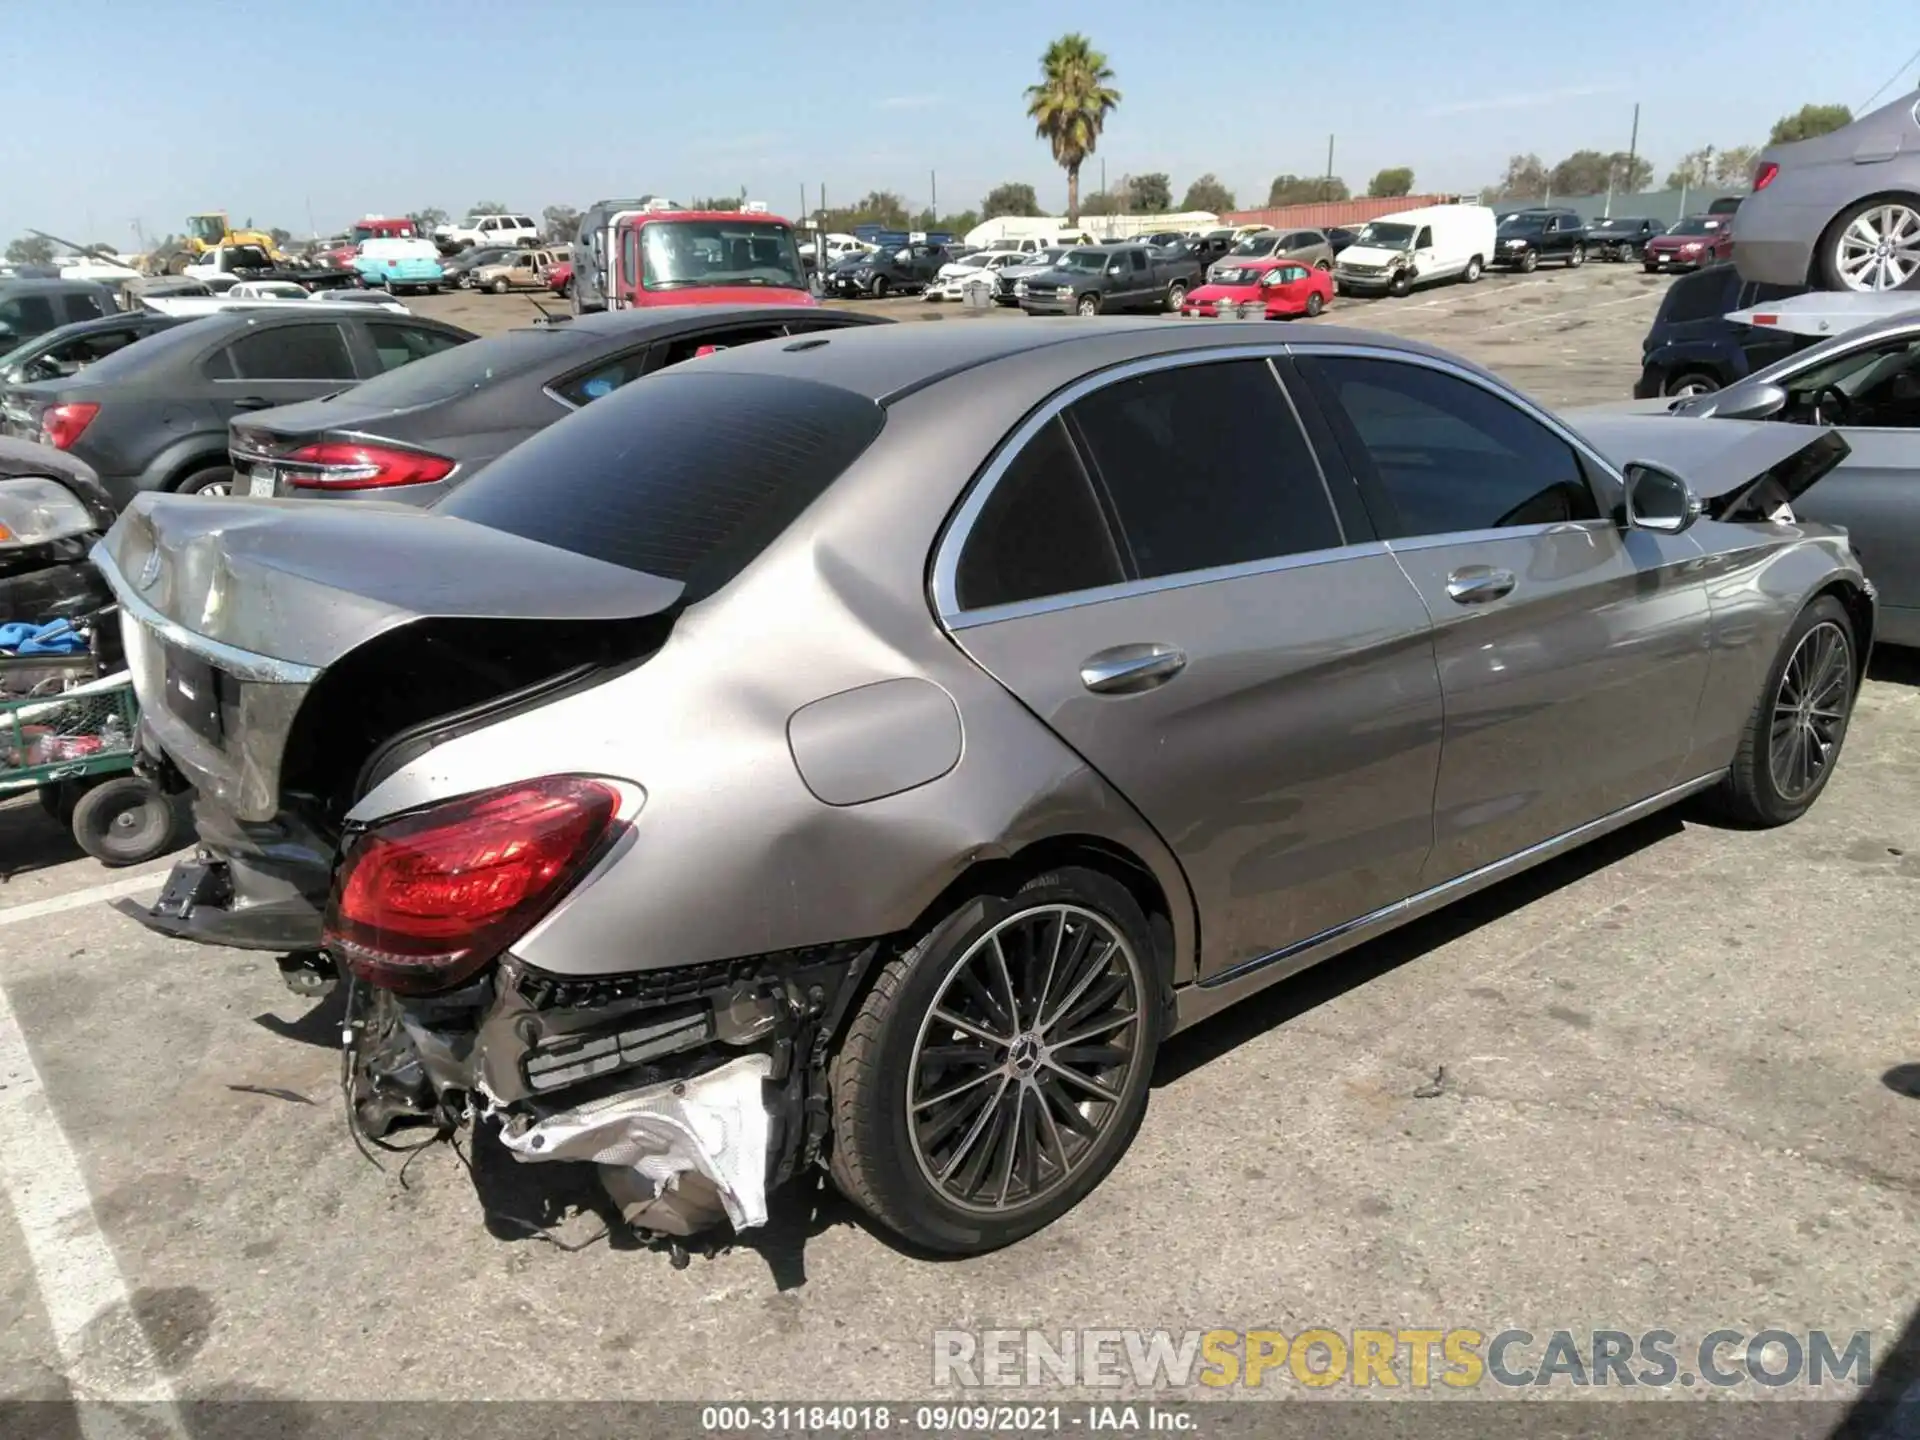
1633	145
1326	190
933	195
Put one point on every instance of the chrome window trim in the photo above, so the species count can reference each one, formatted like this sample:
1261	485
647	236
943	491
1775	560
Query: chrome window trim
947	557
946	564
242	664
1411	543
1339	525
1160	584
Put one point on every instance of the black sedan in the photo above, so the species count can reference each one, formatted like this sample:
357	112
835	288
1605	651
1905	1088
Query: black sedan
67	351
413	435
458	269
154	416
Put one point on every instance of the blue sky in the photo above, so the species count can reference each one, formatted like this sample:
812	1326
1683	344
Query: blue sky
183	107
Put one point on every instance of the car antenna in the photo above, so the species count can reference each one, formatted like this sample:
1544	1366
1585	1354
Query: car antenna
547	317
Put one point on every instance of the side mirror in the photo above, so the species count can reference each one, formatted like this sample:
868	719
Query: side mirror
816	284
1659	500
1113	268
903	256
1745	402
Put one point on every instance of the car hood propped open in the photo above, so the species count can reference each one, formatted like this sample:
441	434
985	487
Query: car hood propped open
1723	460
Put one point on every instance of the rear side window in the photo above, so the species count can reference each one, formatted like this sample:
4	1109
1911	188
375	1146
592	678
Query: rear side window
292	352
687	477
1041	532
472	365
82	305
28	314
1206	466
603	379
397	345
1704	295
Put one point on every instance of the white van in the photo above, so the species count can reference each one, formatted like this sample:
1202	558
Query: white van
1417	247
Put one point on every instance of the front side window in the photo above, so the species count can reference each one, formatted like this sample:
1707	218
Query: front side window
83	305
1205	466
27	315
1450	455
292	352
1041	532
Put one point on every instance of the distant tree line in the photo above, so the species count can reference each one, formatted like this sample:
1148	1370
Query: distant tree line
1592	172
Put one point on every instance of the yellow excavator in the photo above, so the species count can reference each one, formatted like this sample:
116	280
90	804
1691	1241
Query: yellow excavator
204	232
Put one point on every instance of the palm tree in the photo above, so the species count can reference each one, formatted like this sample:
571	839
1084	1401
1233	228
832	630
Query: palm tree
1070	106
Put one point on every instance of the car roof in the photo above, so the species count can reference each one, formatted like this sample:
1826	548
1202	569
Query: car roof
885	363
35	286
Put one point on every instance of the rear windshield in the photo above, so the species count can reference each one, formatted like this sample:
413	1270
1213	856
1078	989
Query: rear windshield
1705	295
468	367
685	476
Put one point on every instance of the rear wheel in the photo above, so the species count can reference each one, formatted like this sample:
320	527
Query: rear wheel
1873	246
997	1070
125	821
1690	382
1176	296
1315	304
215	481
1792	740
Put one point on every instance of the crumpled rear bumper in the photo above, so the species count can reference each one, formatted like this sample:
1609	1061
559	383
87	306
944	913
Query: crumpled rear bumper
713	1127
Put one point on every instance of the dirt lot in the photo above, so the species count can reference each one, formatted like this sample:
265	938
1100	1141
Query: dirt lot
1671	1099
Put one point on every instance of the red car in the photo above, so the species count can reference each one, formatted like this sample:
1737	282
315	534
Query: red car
1270	289
560	278
1697	240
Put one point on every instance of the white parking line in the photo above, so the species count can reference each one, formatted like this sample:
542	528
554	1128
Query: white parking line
105	1352
92	895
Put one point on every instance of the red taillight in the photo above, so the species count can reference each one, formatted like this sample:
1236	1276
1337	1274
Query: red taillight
1763	177
424	902
336	466
61	425
1766	320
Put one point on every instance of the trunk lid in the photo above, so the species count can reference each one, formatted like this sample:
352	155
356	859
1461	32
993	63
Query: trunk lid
234	610
1725	461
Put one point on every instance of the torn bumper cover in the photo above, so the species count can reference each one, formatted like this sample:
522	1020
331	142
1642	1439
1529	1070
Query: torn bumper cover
674	1155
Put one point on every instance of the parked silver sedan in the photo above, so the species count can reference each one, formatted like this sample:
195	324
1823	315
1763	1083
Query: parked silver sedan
1840	211
863	749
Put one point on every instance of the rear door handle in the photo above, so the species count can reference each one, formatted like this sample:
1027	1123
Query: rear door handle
1477	584
1129	669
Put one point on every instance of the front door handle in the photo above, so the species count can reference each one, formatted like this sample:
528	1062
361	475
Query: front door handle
253	402
1129	669
1477	584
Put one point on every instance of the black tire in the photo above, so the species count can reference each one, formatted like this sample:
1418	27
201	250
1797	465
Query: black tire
214	480
1576	257
1652	267
1827	255
880	287
878	1160
1087	305
1529	262
126	821
1690	382
1472	273
1176	296
1315	304
1401	285
566	288
1625	254
1762	788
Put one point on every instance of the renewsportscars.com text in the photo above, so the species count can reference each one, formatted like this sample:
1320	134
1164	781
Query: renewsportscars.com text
1458	1358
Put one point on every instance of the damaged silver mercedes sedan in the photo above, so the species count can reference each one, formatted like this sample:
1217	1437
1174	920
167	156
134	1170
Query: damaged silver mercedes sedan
863	750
